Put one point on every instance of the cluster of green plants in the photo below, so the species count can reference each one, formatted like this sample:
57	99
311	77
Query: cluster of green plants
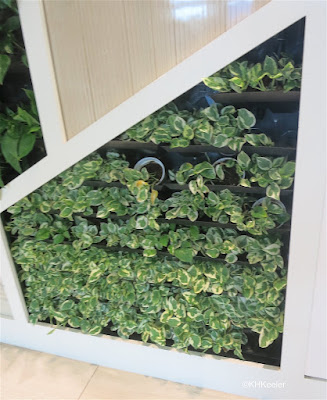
113	169
136	233
227	207
61	196
215	125
272	173
19	123
73	278
19	131
11	46
272	74
204	305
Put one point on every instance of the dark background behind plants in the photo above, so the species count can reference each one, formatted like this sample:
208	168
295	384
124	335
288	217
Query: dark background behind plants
21	143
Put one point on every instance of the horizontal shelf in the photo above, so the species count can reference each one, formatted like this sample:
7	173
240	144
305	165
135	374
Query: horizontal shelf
277	96
198	148
235	189
176	187
260	150
161	253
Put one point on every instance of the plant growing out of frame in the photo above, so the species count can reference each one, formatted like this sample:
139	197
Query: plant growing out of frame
19	121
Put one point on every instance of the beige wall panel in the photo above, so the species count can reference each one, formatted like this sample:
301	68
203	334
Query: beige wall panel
67	36
196	23
140	42
108	53
163	32
104	51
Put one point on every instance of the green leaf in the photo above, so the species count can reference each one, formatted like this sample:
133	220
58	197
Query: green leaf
43	234
179	142
26	144
188	132
11	24
67	305
221	140
272	249
231	258
26	117
9	148
95	330
95	274
177	123
211	113
4	65
288	169
141	222
195	340
264	163
150	253
227	110
216	83
273	190
174	321
267	337
243	160
183	277
245	118
270	66
280	283
66	212
201	285
59	238
184	254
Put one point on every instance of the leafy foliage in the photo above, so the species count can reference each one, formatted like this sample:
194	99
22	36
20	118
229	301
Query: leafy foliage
273	173
19	123
216	125
271	74
204	304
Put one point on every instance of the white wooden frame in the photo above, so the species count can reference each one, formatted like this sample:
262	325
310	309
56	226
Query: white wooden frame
239	377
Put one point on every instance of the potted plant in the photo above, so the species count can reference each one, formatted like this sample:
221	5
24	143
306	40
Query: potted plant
154	167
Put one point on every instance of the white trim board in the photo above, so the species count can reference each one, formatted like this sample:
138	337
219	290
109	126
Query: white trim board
217	373
38	52
222	374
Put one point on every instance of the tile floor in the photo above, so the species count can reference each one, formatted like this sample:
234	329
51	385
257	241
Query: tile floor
27	374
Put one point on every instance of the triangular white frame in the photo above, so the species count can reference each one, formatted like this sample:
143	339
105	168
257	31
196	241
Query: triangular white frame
214	372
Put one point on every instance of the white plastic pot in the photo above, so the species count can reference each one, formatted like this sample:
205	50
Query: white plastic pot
147	160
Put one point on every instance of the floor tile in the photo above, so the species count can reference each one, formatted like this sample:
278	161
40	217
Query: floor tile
27	374
111	384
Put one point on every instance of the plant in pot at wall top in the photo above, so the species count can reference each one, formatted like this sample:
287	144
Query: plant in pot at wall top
271	74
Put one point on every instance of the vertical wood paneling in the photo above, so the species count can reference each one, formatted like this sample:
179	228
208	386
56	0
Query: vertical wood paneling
140	42
106	50
163	32
107	53
71	67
